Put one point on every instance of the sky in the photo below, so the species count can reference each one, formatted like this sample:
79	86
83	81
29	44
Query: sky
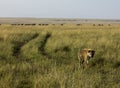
90	9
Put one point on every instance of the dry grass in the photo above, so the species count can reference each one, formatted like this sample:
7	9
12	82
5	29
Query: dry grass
56	64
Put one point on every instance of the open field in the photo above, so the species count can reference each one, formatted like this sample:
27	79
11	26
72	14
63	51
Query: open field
54	20
46	56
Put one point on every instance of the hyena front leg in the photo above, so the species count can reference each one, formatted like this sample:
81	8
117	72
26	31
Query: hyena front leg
86	62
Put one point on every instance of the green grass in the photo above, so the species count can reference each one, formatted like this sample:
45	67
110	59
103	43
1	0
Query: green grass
48	57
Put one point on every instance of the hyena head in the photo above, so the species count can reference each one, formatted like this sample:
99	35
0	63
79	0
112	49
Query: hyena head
90	53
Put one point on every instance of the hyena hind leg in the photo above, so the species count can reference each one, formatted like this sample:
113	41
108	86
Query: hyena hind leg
81	64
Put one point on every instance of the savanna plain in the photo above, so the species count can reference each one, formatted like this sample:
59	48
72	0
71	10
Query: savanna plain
46	56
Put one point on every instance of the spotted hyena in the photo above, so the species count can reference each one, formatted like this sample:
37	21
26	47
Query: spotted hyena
85	55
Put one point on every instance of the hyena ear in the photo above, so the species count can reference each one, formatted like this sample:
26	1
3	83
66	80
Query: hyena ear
85	50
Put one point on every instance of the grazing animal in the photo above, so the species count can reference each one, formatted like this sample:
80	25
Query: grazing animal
85	55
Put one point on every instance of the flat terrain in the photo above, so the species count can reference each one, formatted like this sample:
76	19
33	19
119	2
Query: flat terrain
46	56
54	21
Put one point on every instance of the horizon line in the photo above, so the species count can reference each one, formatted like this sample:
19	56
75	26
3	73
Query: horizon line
64	18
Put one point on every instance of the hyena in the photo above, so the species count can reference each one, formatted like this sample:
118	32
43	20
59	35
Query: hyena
85	55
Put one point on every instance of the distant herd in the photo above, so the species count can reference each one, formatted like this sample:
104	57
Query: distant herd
34	24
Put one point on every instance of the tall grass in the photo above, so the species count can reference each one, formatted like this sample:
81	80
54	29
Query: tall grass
48	59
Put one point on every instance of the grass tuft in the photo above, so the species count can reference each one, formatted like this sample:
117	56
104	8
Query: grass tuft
25	83
116	64
97	62
63	49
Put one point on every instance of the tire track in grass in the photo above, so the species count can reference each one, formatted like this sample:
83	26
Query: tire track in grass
43	42
18	44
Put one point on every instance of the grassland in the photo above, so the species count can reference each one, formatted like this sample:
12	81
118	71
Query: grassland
46	56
